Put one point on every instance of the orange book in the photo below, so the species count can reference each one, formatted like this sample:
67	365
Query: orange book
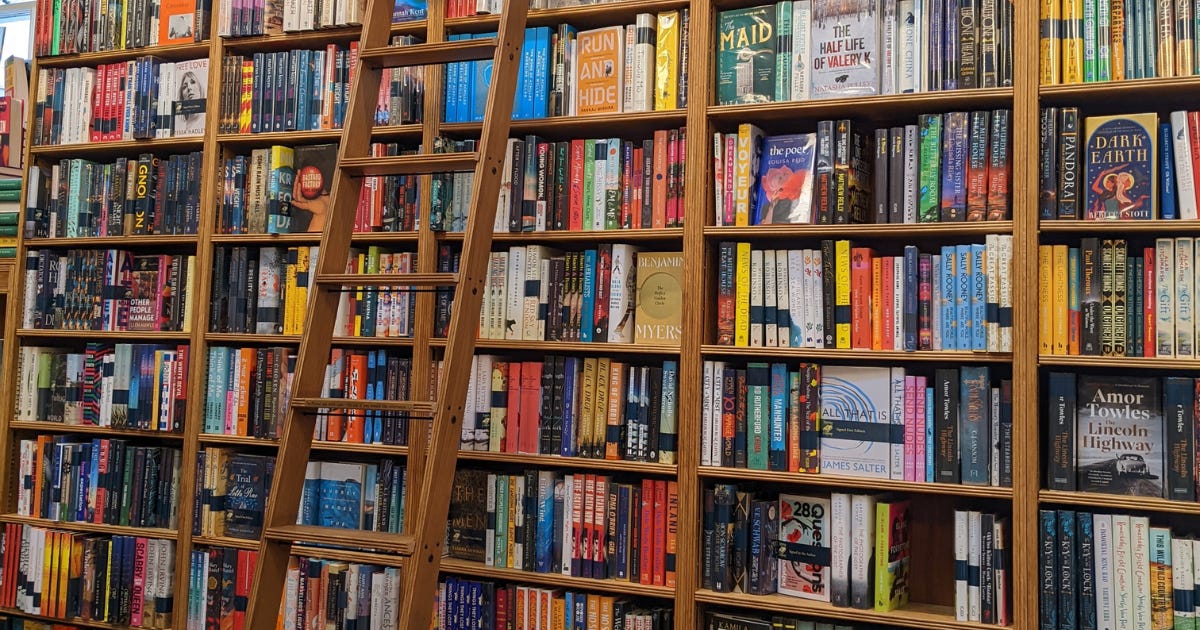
860	297
245	387
658	190
646	538
176	22
593	611
607	604
887	295
616	408
49	579
522	607
356	389
601	71
39	455
66	552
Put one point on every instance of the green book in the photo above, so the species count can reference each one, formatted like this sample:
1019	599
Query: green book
1089	41
8	230
783	52
589	175
10	195
746	42
10	218
10	184
929	161
758	415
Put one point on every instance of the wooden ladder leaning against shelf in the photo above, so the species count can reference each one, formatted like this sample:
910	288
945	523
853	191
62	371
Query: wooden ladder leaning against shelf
419	547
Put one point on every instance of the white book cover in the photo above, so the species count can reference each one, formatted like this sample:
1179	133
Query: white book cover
907	61
499	294
718	371
856	411
797	297
816	304
862	551
543	299
515	285
783	289
706	416
621	294
568	538
504	201
961	564
1102	525
899	421
839	547
1139	566
897	280
803	523
845	45
801	54
1185	177
1185	298
992	274
483	400
466	439
756	298
890	47
1164	288
1004	268
643	62
974	548
1182	570
770	303
630	37
131	88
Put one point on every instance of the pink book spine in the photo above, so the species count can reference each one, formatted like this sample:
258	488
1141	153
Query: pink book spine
139	582
910	428
730	152
921	473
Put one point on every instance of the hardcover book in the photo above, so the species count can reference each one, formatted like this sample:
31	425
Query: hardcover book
746	55
856	425
1121	155
313	184
803	546
599	87
785	179
659	298
845	48
1119	428
892	541
190	100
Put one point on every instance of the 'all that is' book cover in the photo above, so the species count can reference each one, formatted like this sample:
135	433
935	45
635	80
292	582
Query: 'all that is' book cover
856	423
1121	155
785	179
1119	428
746	55
845	48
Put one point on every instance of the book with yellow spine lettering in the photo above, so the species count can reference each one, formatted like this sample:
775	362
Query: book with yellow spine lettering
841	293
1072	41
1045	300
1059	314
741	320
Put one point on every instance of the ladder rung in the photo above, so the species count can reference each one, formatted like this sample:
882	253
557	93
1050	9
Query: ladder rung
399	544
419	407
419	164
424	54
389	279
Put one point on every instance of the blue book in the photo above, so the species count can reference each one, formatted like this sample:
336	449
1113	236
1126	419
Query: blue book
929	460
340	495
304	88
450	88
524	93
571	371
1068	573
587	313
974	425
1048	568
911	258
541	73
962	296
481	79
569	610
544	538
979	282
409	10
1086	557
779	395
949	288
1166	186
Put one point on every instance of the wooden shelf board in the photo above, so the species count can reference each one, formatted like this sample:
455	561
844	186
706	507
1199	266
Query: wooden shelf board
843	481
238	440
148	240
585	236
172	52
92	528
832	354
904	231
382	450
1118	501
1085	93
915	615
566	347
75	621
1104	227
309	136
249	338
362	238
302	238
320	37
114	336
566	127
583	16
888	107
122	147
349	555
58	427
1152	363
478	569
372	342
641	468
226	541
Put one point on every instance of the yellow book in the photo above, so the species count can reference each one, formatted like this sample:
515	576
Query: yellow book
593	611
607	603
290	319
190	283
49	581
66	545
741	304
1045	300
666	61
1164	24
123	8
1051	41
514	505
745	170
600	415
219	489
587	407
303	263
558	614
359	295
1060	313
841	294
1072	41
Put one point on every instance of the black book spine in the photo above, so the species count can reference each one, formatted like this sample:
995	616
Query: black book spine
1067	571
1086	557
1048	164
968	53
1179	413
1068	163
946	426
1060	438
1048	569
1089	296
882	202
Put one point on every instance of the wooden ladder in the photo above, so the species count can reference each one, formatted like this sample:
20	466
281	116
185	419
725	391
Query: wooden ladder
419	547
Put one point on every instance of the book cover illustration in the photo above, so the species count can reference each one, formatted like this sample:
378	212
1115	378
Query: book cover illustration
143	306
892	541
746	55
176	22
1119	425
856	426
657	319
247	482
1121	154
803	547
191	101
785	179
312	186
845	45
340	495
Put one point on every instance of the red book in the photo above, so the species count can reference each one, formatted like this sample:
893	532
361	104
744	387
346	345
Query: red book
672	532
1194	142
603	276
502	614
531	403
659	187
356	390
575	177
660	532
673	179
639	174
1148	301
599	514
860	297
512	420
243	577
646	540
578	483
887	276
679	180
588	520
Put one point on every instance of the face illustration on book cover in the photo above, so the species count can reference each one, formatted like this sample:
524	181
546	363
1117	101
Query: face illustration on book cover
311	189
1120	154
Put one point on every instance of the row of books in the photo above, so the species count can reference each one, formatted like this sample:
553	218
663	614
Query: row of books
952	427
63	478
365	375
247	18
387	311
614	293
467	604
981	545
219	583
728	621
574	407
10	215
1114	571
802	49
134	100
107	289
66	27
149	194
948	167
247	390
277	190
120	386
340	595
230	493
120	580
354	495
390	204
592	184
845	296
583	525
1131	435
1083	41
1099	299
450	195
261	290
566	72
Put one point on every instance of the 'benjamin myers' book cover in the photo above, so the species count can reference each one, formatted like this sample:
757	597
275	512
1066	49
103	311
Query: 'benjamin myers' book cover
785	179
856	424
1121	155
1119	433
